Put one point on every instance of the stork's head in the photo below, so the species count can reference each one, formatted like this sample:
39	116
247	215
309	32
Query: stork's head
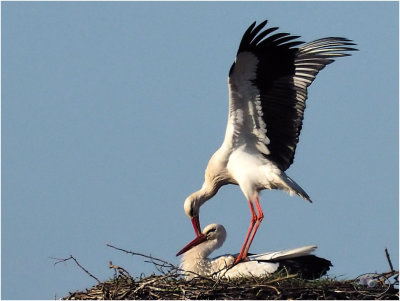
212	237
215	232
192	210
194	201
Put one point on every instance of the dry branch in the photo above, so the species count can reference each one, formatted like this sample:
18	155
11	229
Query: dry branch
78	264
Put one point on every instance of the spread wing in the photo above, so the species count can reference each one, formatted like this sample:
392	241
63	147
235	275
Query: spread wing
268	89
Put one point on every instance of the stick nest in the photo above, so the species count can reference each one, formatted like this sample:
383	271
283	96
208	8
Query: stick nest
171	285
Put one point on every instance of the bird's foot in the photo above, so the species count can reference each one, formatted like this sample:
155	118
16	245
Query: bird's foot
240	259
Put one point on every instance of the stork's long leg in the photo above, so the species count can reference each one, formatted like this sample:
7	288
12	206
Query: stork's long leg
242	254
260	217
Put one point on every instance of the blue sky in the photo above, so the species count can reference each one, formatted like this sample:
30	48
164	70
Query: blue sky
111	110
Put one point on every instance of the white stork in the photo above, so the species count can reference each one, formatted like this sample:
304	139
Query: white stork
195	259
267	92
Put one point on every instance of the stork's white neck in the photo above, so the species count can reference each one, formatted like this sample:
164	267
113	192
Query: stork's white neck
195	260
194	263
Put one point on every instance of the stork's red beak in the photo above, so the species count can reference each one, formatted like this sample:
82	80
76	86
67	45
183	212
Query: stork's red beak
200	237
196	225
198	240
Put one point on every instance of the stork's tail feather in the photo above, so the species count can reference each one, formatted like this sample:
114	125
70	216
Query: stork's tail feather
293	188
308	267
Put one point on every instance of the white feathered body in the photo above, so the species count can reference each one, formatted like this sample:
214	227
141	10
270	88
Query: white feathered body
195	263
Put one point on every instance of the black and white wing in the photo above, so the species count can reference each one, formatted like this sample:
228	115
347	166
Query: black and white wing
296	261
268	88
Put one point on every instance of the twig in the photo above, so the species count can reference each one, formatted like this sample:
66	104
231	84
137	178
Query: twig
283	278
148	282
78	264
162	264
139	254
272	287
118	269
388	259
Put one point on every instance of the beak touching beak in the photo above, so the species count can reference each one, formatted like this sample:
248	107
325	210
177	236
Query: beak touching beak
200	237
196	225
198	240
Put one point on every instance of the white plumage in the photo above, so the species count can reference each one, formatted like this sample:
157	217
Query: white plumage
267	92
195	261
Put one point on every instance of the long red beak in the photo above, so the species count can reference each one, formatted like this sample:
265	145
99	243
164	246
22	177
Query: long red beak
196	225
198	240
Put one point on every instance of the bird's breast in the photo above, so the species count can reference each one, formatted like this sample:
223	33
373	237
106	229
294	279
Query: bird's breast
252	171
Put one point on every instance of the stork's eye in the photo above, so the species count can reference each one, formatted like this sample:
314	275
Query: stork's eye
211	231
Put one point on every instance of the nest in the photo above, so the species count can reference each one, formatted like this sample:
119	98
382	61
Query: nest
171	285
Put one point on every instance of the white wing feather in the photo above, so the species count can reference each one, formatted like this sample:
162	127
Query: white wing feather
245	122
292	253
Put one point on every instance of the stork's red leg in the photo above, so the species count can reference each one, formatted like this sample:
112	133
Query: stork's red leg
260	217
242	254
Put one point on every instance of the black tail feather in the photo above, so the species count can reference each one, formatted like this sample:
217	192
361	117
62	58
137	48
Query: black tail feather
308	267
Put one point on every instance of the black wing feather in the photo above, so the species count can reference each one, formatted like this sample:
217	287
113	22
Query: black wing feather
283	74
